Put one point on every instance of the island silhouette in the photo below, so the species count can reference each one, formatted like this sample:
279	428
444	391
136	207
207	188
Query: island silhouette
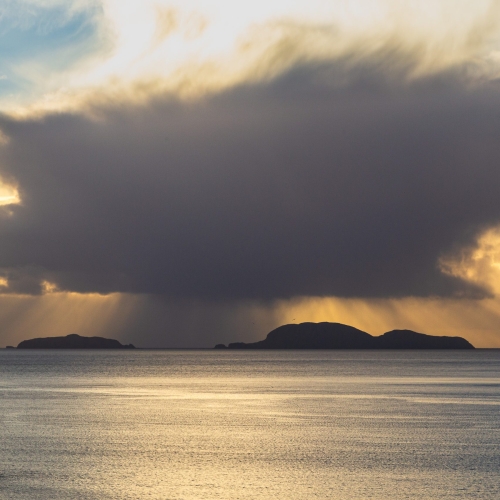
73	341
340	336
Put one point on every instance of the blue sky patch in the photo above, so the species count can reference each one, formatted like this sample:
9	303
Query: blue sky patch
37	42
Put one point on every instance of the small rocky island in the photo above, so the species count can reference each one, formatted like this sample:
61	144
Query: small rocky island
339	336
73	341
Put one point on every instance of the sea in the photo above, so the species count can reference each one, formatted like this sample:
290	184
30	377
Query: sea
214	424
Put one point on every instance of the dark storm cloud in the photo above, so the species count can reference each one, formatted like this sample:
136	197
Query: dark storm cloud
333	180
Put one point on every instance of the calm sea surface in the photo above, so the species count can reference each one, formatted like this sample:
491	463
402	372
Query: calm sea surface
252	425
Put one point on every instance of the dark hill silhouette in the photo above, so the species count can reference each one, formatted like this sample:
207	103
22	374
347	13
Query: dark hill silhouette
407	339
339	336
73	341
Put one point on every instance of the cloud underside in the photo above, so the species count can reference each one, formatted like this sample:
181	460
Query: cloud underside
335	179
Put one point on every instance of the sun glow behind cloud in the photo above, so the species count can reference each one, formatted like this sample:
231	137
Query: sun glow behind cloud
8	196
479	264
9	193
138	48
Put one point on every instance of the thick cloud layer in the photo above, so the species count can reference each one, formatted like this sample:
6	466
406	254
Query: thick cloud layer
328	181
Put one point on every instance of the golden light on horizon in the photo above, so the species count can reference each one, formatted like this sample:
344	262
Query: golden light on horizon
475	320
56	313
113	315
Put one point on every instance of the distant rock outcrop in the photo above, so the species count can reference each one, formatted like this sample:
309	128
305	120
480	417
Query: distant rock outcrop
407	339
339	336
73	341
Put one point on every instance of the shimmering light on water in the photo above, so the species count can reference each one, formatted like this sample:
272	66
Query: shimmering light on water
247	425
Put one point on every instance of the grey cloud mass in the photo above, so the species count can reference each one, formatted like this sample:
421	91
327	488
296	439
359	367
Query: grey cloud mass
331	180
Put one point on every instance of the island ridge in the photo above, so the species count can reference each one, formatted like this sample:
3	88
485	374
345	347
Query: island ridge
339	336
73	341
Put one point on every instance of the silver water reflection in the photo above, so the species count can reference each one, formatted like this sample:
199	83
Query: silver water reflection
249	425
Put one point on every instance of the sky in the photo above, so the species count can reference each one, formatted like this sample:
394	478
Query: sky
180	174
